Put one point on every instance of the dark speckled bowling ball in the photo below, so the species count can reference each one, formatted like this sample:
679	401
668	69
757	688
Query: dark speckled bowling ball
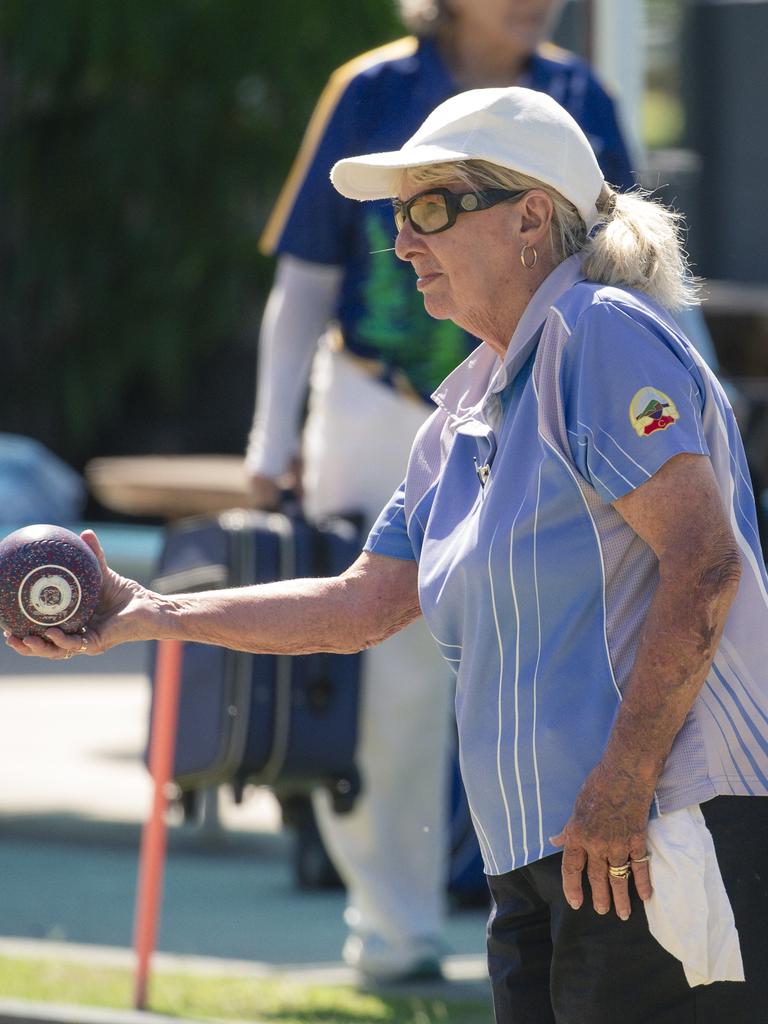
48	577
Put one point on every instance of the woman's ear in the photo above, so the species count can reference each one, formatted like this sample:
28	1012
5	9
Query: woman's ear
536	210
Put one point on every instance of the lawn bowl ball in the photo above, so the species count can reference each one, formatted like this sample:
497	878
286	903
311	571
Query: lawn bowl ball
48	577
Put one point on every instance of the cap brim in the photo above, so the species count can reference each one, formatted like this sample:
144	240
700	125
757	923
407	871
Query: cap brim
376	176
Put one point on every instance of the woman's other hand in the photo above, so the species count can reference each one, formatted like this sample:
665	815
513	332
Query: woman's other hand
681	515
607	829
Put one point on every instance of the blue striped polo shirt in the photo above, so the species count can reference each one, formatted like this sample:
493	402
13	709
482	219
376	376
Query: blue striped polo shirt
534	587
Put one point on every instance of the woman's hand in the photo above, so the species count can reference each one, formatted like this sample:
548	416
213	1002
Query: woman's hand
607	828
123	614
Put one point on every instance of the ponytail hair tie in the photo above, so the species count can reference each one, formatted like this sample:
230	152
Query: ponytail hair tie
606	202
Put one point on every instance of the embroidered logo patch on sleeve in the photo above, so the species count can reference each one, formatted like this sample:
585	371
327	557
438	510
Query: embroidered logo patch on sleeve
651	410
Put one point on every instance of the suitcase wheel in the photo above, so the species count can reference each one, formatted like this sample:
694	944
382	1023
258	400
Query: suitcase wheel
313	868
344	791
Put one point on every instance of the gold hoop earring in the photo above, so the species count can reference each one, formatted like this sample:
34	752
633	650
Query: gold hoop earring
529	266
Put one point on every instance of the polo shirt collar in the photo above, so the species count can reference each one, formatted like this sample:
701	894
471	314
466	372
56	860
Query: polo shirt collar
467	390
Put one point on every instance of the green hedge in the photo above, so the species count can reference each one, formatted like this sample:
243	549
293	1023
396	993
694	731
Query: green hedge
143	144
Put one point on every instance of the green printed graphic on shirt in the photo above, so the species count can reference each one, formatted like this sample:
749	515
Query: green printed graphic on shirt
395	323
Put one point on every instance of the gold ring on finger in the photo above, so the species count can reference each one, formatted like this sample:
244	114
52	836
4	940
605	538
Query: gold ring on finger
619	871
68	655
640	860
83	646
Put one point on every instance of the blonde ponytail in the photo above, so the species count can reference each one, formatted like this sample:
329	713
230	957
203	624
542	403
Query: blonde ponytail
640	245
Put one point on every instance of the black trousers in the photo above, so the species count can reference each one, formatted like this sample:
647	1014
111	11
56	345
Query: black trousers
553	965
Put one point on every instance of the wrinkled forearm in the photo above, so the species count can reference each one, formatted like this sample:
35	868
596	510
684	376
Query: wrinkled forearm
682	629
339	615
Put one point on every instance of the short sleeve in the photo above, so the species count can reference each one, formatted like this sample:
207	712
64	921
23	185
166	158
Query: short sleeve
632	398
389	534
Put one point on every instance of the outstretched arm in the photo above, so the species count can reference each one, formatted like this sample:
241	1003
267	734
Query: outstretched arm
368	602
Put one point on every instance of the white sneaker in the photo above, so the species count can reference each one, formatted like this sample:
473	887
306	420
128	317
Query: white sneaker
378	961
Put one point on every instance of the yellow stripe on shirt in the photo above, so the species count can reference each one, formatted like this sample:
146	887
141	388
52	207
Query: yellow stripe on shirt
326	105
551	51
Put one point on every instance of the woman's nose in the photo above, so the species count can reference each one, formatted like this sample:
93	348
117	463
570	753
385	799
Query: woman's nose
407	242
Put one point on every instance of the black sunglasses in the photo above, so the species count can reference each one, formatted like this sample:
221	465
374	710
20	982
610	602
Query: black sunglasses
436	209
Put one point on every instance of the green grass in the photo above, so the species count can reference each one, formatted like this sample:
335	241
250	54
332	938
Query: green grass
272	1001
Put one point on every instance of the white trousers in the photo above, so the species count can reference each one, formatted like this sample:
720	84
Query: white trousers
391	850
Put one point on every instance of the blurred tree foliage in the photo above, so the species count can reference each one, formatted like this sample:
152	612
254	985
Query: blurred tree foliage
143	144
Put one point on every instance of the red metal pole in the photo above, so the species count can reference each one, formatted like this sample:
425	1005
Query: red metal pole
154	834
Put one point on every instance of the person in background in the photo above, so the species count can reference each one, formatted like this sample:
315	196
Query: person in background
343	313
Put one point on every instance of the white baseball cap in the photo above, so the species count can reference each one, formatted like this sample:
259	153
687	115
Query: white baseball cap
520	129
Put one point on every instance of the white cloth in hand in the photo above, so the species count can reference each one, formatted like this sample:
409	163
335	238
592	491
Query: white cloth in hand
689	913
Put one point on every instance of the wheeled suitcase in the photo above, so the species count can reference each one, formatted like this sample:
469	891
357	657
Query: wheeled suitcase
465	881
289	722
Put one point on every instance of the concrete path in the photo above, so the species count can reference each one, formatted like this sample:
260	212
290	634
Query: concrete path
73	795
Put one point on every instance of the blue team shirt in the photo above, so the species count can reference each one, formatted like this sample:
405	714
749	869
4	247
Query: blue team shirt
374	104
534	587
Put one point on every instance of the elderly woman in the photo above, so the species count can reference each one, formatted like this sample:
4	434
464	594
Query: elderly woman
344	329
577	528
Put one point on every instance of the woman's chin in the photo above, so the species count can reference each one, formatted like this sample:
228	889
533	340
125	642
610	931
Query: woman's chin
438	309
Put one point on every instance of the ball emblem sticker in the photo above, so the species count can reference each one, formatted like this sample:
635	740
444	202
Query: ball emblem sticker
651	410
49	595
